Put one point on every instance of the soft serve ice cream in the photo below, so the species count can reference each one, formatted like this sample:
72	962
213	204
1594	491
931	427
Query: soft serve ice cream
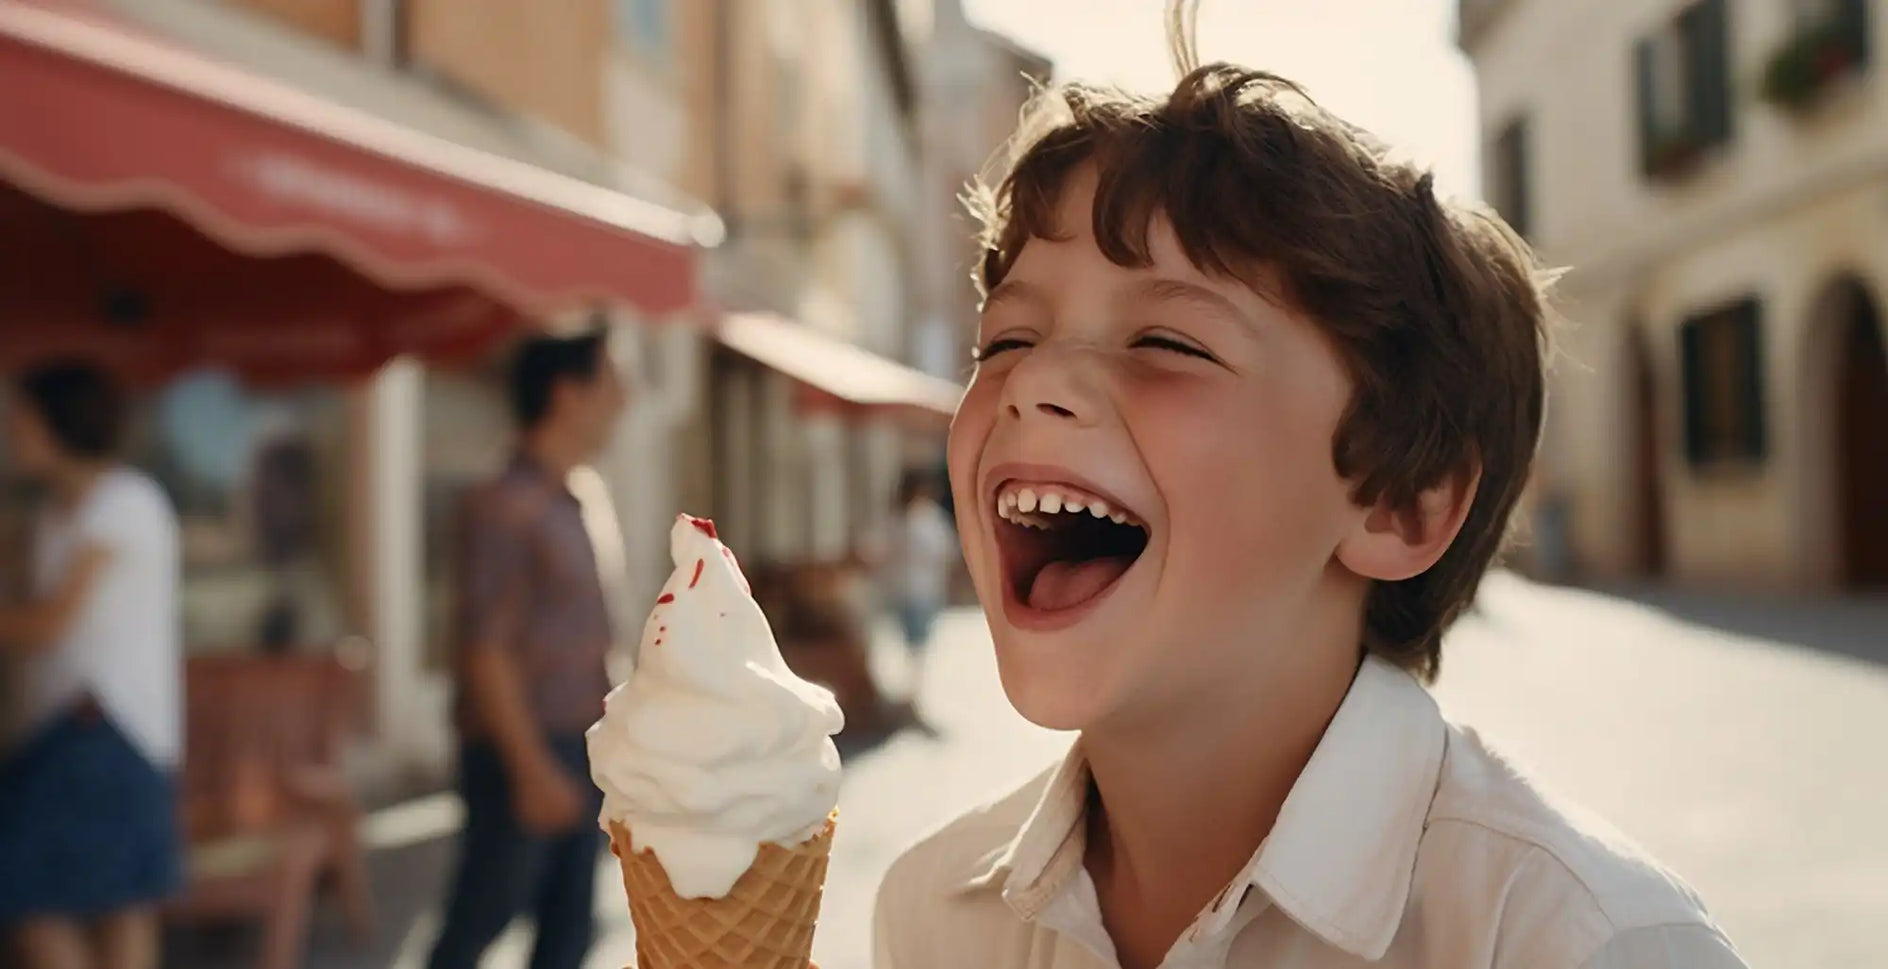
713	746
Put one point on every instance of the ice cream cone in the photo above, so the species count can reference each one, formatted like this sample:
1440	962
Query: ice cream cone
765	922
719	775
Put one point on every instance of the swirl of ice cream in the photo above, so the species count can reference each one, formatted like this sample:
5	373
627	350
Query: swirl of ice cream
713	746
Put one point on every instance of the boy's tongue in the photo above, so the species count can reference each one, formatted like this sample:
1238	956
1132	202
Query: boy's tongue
1064	583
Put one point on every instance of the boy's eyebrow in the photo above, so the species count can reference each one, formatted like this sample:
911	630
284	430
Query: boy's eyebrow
1164	289
1015	291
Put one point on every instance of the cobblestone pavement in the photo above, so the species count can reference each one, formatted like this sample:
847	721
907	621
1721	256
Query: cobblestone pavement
1752	766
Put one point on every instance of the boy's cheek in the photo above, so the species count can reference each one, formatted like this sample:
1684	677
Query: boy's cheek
974	411
960	459
1243	518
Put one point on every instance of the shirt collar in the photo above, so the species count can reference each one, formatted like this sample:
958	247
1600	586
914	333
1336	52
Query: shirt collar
1051	836
1342	855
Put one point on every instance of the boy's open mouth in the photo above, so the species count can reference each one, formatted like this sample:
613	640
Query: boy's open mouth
1061	546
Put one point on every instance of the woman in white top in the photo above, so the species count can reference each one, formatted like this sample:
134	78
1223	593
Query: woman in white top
88	830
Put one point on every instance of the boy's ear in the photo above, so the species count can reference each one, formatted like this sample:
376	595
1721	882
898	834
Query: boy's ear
1392	544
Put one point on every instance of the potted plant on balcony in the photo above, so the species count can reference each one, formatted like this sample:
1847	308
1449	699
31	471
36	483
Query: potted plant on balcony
1807	63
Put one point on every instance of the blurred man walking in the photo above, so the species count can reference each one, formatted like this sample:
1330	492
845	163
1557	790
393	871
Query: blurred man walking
532	637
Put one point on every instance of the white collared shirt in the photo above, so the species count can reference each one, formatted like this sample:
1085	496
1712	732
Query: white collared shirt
1405	843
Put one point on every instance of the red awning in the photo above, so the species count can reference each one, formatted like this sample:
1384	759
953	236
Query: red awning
154	202
837	374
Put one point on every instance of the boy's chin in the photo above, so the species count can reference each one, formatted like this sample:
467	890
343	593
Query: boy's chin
1067	712
1050	691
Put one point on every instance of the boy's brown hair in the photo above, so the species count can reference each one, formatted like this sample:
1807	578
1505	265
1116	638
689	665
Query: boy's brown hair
1438	311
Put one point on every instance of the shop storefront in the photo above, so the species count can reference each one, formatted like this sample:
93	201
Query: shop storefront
251	258
812	435
814	432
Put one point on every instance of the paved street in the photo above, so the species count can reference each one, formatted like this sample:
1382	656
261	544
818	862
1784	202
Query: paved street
1756	770
1752	767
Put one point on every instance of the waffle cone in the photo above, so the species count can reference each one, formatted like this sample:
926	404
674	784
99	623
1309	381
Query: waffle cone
764	922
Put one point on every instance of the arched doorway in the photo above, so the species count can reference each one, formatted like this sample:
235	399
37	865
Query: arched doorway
1647	495
1861	445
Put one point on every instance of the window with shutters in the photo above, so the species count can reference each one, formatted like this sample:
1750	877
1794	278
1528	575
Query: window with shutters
1827	41
1683	80
1722	365
1510	187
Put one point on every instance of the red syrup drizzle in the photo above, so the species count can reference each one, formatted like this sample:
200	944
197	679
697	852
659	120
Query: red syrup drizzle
703	525
697	577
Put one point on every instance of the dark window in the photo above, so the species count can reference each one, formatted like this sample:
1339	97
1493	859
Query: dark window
1684	88
400	26
1510	188
1722	357
1847	18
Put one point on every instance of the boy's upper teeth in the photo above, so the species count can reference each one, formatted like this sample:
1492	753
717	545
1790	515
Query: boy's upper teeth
1014	503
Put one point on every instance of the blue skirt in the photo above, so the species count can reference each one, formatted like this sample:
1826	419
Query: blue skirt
88	826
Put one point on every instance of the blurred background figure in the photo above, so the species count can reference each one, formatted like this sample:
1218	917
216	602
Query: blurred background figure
284	515
922	556
534	638
88	829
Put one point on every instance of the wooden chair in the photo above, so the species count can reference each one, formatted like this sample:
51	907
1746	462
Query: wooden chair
266	807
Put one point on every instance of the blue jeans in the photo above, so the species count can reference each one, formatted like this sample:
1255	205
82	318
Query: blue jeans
915	617
503	871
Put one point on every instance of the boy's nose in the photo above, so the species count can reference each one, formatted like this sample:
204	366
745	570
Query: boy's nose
1051	384
1053	410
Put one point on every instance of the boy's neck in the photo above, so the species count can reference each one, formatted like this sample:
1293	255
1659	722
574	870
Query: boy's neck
1175	814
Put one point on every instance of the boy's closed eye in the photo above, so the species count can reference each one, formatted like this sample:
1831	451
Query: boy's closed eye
1173	344
1152	341
998	346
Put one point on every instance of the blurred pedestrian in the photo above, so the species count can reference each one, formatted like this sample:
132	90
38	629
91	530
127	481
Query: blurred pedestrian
533	635
922	553
88	829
